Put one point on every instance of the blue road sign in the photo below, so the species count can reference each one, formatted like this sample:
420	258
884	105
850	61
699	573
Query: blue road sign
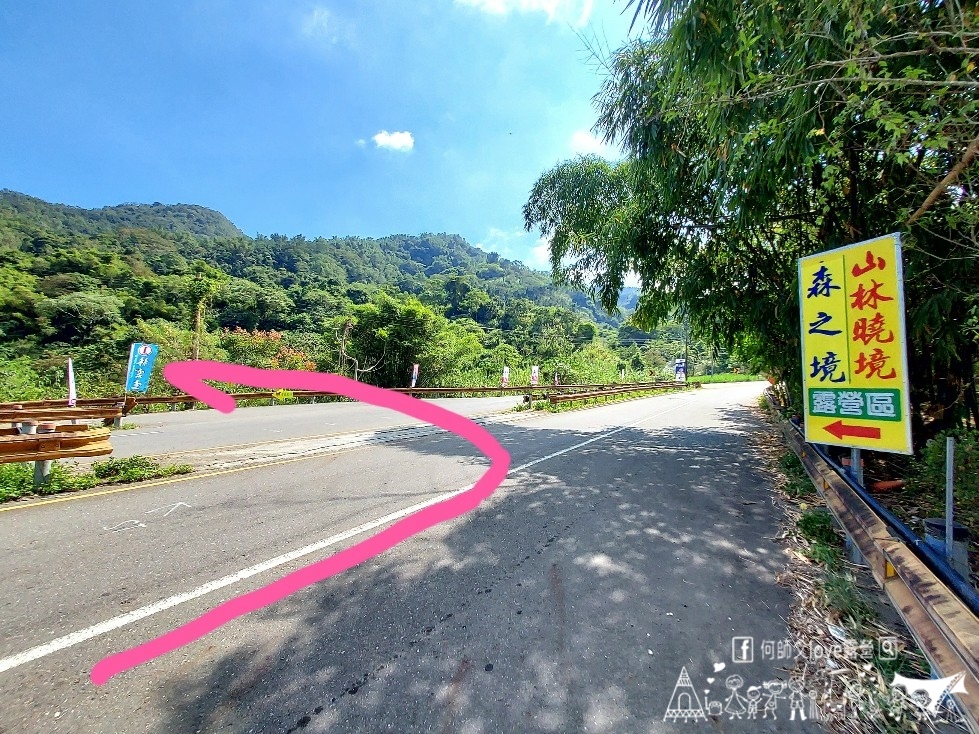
141	359
680	371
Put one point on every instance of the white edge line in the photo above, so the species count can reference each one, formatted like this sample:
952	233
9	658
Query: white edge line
122	620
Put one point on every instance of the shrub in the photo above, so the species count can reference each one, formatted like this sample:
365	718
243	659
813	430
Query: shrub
134	469
928	473
17	480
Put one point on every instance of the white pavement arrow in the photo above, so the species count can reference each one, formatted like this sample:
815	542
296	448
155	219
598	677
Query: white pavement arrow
127	525
172	508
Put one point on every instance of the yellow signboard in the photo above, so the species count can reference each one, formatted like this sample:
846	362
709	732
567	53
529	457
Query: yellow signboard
854	354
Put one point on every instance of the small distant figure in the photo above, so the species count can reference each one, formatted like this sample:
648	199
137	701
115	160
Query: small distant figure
753	695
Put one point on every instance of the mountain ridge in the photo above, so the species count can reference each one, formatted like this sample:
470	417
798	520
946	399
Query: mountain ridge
66	218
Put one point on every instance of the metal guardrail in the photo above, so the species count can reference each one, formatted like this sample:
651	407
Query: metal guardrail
113	408
620	390
937	606
938	565
62	403
55	409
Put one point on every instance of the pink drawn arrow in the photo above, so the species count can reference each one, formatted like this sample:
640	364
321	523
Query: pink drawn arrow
190	376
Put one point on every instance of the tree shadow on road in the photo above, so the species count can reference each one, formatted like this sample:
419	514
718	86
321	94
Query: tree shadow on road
567	602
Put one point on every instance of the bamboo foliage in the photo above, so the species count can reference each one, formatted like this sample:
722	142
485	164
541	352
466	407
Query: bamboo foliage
758	132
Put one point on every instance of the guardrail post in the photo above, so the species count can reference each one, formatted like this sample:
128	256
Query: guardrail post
42	469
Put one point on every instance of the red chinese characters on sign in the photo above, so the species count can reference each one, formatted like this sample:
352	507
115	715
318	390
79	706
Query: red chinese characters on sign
871	328
868	330
868	297
871	263
874	365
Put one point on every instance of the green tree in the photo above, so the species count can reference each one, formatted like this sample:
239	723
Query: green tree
201	286
758	132
81	316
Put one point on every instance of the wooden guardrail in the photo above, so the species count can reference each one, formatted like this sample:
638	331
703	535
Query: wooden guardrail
63	443
63	403
108	413
942	625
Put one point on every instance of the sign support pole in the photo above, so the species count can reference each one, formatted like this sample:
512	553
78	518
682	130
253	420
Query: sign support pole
856	465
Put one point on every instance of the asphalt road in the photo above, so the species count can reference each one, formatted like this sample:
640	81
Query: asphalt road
186	430
628	542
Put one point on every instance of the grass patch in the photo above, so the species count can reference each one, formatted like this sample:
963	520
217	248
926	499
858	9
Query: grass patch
798	482
17	480
840	592
845	599
816	525
724	377
829	555
135	469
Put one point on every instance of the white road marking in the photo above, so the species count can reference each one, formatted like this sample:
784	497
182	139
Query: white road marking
126	525
133	433
168	511
123	620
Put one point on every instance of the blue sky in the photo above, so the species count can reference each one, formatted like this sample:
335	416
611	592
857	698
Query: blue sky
366	117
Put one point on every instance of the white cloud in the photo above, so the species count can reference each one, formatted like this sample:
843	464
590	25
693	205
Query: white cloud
318	23
360	143
577	12
500	241
586	143
540	255
325	28
399	141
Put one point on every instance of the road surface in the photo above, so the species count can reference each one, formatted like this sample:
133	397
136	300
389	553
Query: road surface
629	542
185	430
